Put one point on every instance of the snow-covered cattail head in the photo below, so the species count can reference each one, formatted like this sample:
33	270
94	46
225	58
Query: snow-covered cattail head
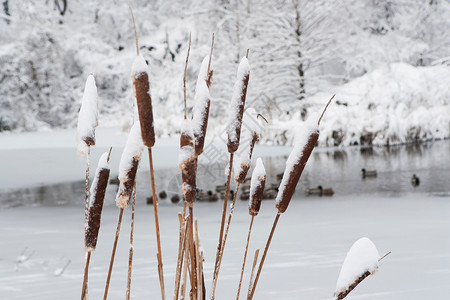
237	105
98	189
187	162
128	166
251	129
140	75
201	108
257	187
361	261
305	139
87	117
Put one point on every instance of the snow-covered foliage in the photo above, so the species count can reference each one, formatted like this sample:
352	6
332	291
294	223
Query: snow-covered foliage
299	50
361	258
87	117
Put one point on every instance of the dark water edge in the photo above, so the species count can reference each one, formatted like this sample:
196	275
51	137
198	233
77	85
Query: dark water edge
336	168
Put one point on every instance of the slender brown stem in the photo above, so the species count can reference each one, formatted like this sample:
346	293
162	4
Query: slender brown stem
246	53
245	257
85	279
184	77
224	212
230	215
181	250
192	254
318	123
384	256
130	255
264	255
155	211
186	259
134	27
250	285
198	261
113	254
208	77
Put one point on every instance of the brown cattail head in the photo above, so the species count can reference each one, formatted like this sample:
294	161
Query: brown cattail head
187	162
237	105
140	75
201	108
88	116
98	189
306	139
250	135
128	166
257	188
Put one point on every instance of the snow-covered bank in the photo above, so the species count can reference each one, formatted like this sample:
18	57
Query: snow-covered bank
304	260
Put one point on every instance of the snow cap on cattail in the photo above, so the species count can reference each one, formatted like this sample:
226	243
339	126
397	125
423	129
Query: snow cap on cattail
250	135
128	165
257	185
201	108
87	117
140	75
361	261
97	192
237	105
305	139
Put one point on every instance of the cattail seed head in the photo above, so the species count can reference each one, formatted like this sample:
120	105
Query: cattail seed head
257	188
187	162
140	75
98	189
306	139
128	166
237	105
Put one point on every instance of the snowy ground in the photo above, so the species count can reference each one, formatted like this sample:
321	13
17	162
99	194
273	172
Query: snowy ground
304	260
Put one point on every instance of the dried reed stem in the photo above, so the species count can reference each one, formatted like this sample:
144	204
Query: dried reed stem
325	109
209	76
250	285
384	256
184	77
130	255
245	257
181	250
193	271
158	239
134	27
230	215
113	254
85	279
186	259
224	212
199	265
264	255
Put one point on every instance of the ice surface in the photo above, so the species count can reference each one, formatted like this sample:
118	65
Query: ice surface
88	115
361	258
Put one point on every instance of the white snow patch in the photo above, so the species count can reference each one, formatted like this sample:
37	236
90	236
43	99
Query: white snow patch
300	141
259	173
88	115
363	256
139	66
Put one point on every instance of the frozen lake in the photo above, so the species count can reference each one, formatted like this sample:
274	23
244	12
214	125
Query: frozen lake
304	260
41	221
